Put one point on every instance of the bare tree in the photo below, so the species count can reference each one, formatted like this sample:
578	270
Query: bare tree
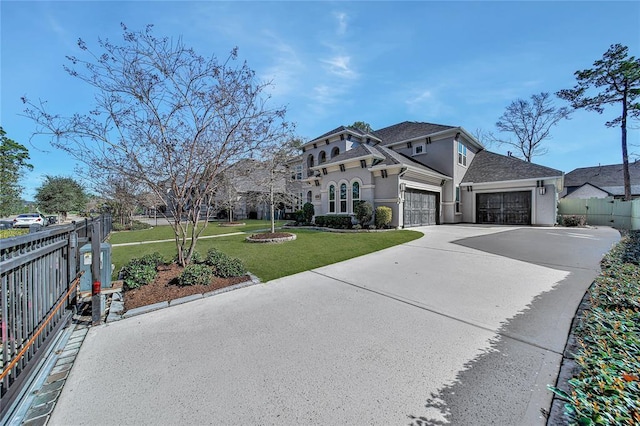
167	118
530	122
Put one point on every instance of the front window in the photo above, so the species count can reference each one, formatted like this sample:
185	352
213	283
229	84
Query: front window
457	199
343	198
310	162
309	197
332	199
462	154
355	195
322	157
335	152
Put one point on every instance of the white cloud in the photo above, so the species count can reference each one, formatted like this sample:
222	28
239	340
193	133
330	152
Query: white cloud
342	19
340	66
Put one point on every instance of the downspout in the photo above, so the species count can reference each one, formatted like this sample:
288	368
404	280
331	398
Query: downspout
401	197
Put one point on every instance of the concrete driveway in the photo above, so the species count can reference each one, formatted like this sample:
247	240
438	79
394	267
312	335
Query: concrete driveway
463	326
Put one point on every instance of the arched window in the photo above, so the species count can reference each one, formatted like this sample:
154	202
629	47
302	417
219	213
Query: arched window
343	198
355	195
335	152
309	197
332	198
310	161
322	157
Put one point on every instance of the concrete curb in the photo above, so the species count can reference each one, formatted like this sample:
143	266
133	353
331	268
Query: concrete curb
117	305
569	368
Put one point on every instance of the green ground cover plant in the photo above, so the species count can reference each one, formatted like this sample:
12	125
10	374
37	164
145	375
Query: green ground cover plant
141	271
8	233
607	389
164	232
311	249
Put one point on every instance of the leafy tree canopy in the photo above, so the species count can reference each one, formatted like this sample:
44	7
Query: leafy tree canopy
362	125
61	195
13	161
613	80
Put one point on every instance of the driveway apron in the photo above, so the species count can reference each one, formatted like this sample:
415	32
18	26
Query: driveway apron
463	326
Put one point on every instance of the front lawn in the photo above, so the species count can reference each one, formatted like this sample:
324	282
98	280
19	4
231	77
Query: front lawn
311	249
165	232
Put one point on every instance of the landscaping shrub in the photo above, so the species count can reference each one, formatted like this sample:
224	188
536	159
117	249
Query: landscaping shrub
340	221
141	271
363	212
573	220
307	212
606	390
135	225
299	216
195	274
224	266
230	267
383	216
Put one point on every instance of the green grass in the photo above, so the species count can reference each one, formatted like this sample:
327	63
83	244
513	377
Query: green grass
165	232
311	249
8	233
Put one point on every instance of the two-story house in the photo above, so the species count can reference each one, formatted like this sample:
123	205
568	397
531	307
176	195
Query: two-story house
427	174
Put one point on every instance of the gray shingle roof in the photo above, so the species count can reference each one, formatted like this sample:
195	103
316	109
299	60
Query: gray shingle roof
339	129
392	157
408	130
603	176
491	167
362	150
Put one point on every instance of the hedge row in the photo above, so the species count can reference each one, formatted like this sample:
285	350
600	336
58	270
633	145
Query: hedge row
607	389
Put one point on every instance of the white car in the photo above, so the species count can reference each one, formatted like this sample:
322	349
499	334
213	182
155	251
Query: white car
28	219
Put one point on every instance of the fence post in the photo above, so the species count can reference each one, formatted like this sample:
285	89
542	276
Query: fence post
96	305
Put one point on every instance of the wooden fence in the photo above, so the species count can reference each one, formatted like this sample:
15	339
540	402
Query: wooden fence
603	211
38	282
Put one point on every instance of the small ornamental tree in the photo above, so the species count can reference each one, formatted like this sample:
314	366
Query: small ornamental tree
167	119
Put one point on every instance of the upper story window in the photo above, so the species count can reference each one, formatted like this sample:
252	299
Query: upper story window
335	152
310	162
322	157
418	149
297	172
462	154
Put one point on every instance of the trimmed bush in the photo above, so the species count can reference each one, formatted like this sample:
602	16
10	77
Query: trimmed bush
383	216
230	267
363	212
224	266
606	387
340	221
195	274
573	220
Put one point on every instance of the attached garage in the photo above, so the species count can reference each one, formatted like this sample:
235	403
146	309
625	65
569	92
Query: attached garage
420	208
504	208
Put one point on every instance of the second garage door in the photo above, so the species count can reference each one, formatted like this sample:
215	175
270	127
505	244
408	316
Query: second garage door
420	208
504	208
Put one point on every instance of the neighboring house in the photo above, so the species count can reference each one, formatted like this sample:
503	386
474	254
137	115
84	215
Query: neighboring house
244	190
427	174
601	182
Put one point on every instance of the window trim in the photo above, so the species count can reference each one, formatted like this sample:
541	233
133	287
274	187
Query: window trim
344	200
355	199
332	198
462	154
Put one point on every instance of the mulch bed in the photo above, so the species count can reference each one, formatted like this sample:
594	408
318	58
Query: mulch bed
165	288
269	235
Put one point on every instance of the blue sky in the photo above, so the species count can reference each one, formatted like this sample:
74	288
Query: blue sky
333	63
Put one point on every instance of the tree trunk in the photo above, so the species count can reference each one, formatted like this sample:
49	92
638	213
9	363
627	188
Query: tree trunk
625	155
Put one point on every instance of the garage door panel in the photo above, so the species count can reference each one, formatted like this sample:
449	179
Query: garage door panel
504	208
420	208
